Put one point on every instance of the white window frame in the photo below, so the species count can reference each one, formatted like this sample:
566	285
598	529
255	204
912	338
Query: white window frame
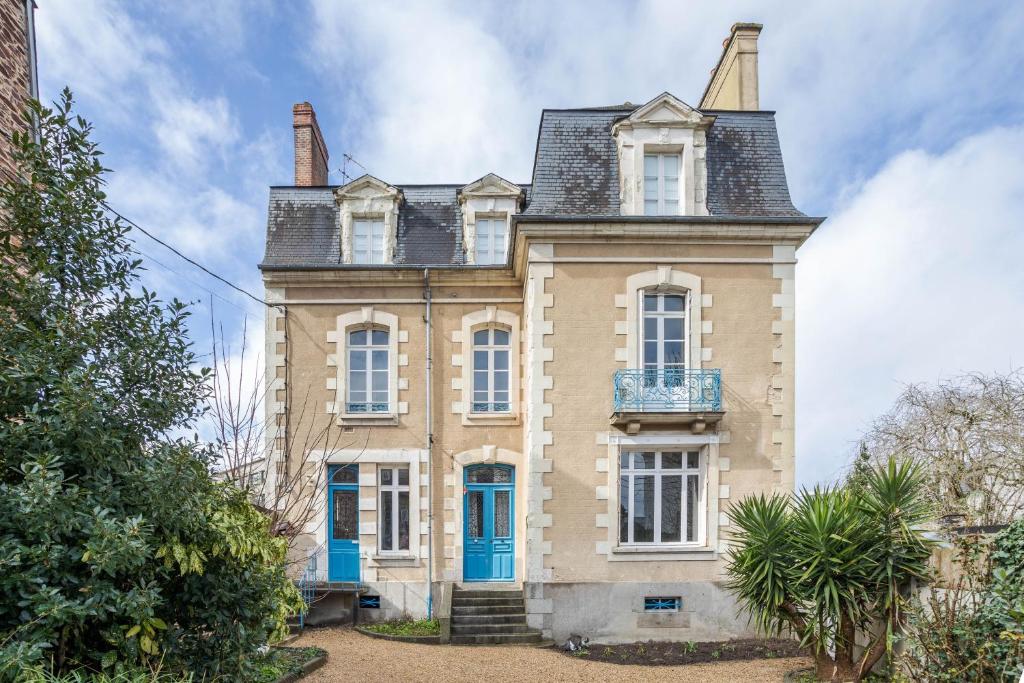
372	229
368	370
661	315
463	358
490	348
338	379
658	473
488	225
393	490
665	206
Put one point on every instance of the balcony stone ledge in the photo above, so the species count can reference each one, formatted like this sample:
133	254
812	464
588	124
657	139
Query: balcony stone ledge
698	422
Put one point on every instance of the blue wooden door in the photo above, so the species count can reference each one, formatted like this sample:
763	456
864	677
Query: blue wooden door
343	523
489	524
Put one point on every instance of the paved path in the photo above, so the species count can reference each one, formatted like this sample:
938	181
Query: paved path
355	657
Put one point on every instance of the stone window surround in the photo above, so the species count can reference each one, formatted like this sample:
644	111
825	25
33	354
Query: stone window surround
489	197
491	315
708	547
371	199
369	461
367	316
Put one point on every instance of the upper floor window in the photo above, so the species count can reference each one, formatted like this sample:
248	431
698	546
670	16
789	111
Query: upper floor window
491	240
368	367
661	184
659	497
394	509
664	331
368	241
491	371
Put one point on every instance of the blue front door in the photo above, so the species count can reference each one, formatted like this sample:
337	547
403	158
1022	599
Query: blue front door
343	523
489	524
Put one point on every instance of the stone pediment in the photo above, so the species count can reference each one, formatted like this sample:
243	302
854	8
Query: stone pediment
665	110
491	185
367	187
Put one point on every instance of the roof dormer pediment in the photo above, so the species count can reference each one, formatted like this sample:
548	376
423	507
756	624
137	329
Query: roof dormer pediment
665	110
491	185
367	187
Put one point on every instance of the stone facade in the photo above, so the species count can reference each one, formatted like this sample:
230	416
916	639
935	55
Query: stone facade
17	73
570	296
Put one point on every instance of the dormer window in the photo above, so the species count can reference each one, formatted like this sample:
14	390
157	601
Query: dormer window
368	241
491	242
661	184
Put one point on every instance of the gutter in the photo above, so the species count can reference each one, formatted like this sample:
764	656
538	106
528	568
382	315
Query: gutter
696	220
33	65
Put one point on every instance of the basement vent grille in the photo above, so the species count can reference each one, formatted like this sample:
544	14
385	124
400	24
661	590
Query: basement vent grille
661	604
369	602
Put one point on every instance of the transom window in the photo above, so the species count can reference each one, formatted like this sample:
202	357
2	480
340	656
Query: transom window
659	497
394	509
368	241
368	367
491	371
664	331
661	184
490	240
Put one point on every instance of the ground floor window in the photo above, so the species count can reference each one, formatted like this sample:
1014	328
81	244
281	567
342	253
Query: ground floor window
659	497
394	509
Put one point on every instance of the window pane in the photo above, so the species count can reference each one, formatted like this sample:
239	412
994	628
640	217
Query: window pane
357	338
357	360
643	509
643	461
691	507
385	476
380	337
624	462
489	474
403	477
380	381
346	474
624	509
650	352
501	381
501	337
673	352
475	524
346	516
651	207
480	337
650	328
386	520
671	461
673	303
480	380
673	328
671	190
693	460
651	165
671	165
502	514
403	520
480	360
357	382
650	302
671	508
501	360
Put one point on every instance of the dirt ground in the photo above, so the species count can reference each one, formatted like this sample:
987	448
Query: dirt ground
355	657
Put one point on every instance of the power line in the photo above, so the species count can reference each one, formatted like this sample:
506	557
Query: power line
198	265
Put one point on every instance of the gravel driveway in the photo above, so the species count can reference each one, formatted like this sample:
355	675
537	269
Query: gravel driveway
355	657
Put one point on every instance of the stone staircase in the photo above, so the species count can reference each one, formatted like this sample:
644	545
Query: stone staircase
490	617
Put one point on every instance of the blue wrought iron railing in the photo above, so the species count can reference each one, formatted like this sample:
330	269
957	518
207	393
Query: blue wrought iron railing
668	390
310	576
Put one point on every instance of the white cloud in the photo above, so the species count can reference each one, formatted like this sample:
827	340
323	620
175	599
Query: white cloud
190	131
917	277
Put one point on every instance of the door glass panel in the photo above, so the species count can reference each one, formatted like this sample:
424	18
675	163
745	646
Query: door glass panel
671	508
403	477
476	514
403	520
346	516
691	507
386	521
346	474
643	509
671	461
502	513
624	509
489	475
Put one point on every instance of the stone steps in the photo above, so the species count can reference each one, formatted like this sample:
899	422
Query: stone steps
490	617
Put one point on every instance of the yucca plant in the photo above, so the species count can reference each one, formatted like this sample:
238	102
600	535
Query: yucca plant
830	562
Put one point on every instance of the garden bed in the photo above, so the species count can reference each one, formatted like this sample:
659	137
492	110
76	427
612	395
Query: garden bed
676	653
286	664
409	631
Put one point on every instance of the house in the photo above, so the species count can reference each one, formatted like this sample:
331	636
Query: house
18	77
557	386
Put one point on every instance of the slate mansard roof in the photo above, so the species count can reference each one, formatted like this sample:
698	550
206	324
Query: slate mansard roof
575	175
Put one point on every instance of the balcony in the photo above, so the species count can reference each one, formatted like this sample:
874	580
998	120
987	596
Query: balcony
667	397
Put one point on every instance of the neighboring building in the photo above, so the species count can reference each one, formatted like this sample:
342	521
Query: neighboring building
18	79
610	351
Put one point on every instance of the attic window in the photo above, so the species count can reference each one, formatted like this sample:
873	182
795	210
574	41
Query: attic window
368	241
491	242
661	184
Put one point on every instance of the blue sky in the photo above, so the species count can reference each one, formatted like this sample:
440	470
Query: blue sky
901	121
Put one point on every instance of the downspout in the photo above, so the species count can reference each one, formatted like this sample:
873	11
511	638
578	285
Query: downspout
430	452
33	66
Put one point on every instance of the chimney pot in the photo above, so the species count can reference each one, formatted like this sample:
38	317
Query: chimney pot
310	151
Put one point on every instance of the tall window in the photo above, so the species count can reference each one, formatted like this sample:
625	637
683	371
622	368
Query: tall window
394	509
490	240
661	184
368	371
490	371
368	241
664	332
659	497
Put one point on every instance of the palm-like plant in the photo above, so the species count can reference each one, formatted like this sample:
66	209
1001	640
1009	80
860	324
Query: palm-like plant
831	561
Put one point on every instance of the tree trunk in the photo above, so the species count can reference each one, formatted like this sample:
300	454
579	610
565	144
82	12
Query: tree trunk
846	670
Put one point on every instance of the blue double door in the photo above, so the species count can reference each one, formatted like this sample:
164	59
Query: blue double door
489	524
343	523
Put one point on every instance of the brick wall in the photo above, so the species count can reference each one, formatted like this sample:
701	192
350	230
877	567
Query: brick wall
15	79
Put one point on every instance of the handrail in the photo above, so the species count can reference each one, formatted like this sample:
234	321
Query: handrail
668	390
308	580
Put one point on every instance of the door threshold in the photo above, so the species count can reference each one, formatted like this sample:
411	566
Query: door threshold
489	585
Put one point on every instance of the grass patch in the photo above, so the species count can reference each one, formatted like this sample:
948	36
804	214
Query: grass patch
406	627
279	661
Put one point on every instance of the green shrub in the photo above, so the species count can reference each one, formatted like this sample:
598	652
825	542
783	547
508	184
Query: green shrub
406	627
117	549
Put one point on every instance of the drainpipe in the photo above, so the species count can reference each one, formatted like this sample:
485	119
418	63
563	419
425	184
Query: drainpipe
430	453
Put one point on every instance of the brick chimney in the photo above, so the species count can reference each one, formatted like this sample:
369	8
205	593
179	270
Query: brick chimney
733	83
310	150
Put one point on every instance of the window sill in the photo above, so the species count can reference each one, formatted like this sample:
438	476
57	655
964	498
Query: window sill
663	553
355	419
395	560
484	419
